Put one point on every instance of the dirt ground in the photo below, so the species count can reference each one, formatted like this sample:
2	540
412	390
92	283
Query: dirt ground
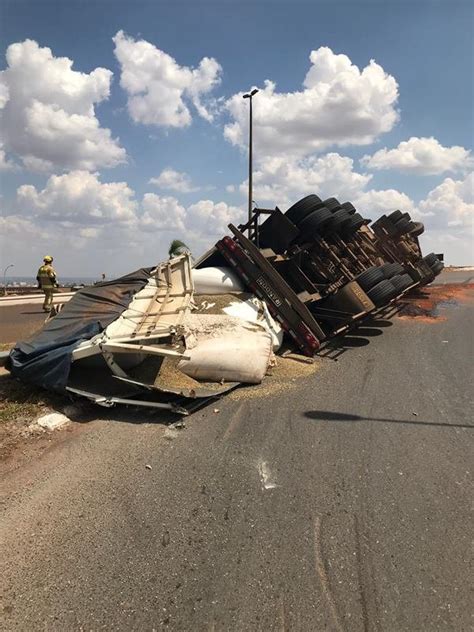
20	405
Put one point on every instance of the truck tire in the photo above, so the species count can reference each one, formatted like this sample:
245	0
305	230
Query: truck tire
407	279
430	259
382	293
370	277
391	269
314	224
338	220
402	225
332	204
303	208
437	267
355	223
395	216
410	226
350	208
418	229
401	282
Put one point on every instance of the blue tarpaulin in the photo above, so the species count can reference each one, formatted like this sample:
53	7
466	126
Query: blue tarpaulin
45	359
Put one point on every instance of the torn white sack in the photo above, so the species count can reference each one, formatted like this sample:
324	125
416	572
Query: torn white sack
256	311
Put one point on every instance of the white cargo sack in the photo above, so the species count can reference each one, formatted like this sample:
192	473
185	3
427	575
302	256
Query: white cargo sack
256	311
223	348
216	281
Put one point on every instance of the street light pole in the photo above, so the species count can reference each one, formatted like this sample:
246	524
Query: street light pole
5	278
249	95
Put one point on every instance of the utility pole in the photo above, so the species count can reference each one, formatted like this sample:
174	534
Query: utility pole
249	95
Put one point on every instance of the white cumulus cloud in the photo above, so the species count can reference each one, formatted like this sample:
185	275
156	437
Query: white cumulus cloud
280	182
162	214
210	218
339	104
421	156
450	205
78	205
5	163
374	203
159	89
47	111
78	197
174	181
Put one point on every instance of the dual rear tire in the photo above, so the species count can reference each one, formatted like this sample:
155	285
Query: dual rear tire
434	263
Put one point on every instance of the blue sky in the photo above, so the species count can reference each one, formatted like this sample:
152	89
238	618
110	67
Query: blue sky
426	47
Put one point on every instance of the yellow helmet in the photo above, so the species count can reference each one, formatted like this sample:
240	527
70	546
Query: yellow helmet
47	258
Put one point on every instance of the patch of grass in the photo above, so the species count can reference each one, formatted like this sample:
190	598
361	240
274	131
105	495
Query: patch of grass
22	400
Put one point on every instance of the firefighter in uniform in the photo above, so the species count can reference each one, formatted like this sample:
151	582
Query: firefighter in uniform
46	278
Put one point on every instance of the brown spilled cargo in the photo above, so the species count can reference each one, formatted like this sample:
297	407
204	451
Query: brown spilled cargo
425	307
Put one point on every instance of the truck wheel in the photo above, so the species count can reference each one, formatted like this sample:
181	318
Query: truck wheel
437	267
401	282
339	218
315	223
382	293
350	208
395	216
410	226
370	277
390	269
356	222
430	259
303	208
418	229
332	204
407	280
402	225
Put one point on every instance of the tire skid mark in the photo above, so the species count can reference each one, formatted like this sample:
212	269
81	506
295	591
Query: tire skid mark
359	563
323	575
367	373
364	552
283	616
234	422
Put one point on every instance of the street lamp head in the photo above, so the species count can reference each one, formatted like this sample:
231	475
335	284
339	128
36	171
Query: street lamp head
249	95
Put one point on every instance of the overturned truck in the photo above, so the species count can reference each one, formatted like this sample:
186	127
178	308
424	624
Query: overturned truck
159	337
321	268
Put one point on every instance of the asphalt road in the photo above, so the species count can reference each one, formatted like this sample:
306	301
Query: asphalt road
20	321
342	503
